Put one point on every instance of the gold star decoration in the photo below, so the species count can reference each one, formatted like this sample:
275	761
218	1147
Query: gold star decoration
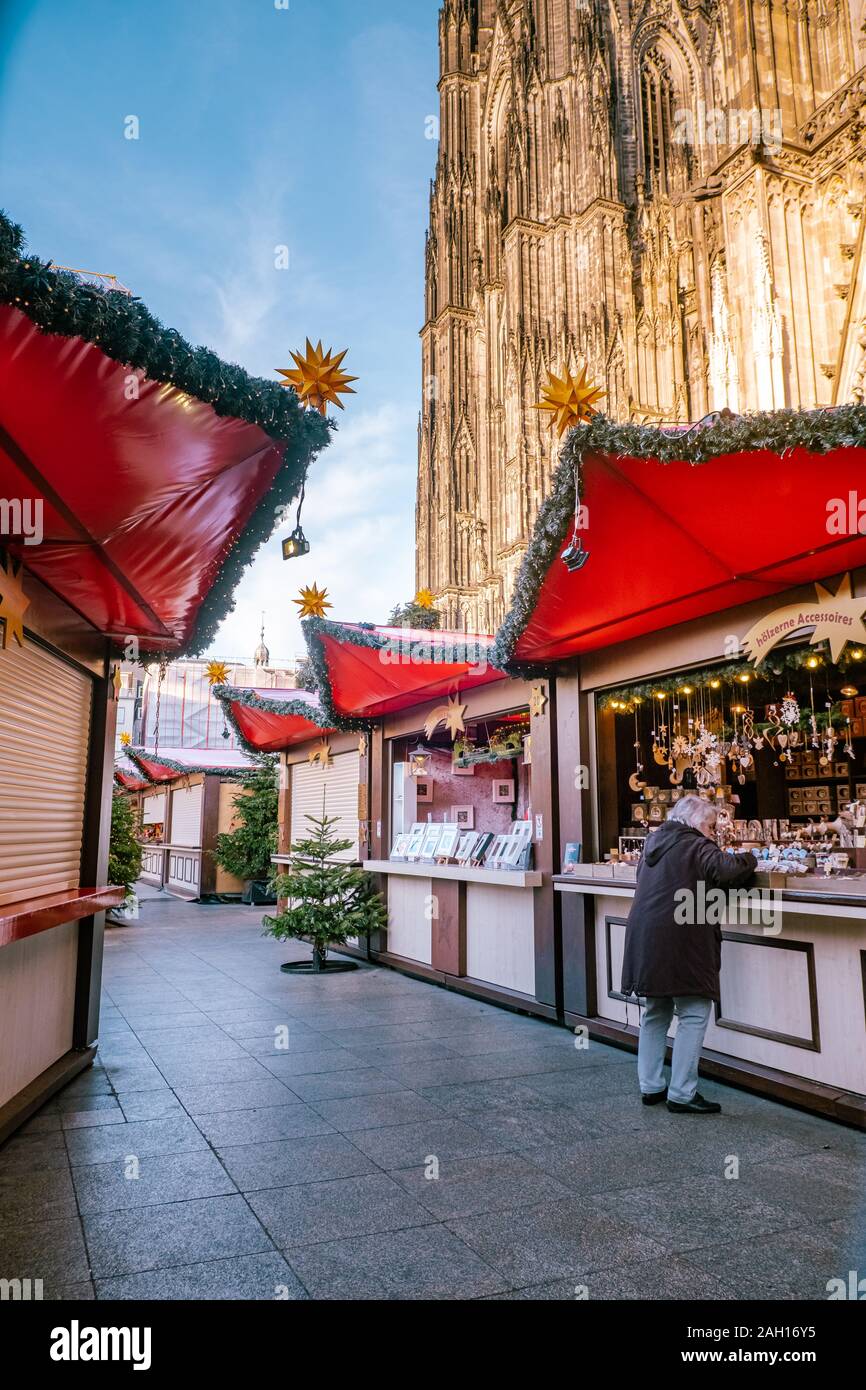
537	700
321	754
217	673
13	603
569	399
424	598
451	715
318	378
313	602
125	740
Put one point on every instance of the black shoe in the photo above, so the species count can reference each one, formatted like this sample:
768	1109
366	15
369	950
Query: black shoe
696	1106
654	1097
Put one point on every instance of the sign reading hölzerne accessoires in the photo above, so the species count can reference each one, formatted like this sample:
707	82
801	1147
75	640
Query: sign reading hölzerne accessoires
835	618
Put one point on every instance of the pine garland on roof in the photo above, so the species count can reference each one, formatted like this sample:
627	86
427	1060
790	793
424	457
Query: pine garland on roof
229	695
778	432
124	329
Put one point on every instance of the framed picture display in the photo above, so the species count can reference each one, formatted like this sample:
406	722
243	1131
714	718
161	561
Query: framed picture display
512	851
424	789
571	858
430	842
503	790
494	854
448	841
416	838
400	847
481	848
466	846
522	830
463	817
457	771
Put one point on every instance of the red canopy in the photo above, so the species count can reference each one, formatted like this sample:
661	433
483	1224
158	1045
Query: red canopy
127	775
267	720
671	541
366	672
170	764
142	498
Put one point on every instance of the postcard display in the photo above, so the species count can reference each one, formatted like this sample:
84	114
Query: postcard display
445	842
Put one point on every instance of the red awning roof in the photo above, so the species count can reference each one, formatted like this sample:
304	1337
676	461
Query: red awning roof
268	720
170	764
672	541
366	672
142	498
127	775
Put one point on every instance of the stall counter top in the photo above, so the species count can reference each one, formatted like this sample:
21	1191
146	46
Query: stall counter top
33	915
500	878
810	904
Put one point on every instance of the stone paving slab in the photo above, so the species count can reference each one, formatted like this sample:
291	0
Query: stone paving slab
411	1143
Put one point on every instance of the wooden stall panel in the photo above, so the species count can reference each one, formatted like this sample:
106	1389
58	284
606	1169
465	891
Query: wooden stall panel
185	825
409	918
500	937
226	821
768	988
37	999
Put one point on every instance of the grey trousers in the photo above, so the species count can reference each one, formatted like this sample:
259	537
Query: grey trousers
693	1016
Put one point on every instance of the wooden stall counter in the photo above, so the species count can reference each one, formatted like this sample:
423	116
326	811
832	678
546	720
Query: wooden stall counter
472	929
790	1023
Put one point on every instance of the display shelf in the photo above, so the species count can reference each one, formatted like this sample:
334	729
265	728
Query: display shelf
30	916
459	873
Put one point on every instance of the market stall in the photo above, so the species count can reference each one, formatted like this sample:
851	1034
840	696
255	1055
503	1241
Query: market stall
189	801
722	651
459	823
140	475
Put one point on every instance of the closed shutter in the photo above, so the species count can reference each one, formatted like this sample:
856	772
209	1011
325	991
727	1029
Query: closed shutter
185	828
153	809
44	736
338	784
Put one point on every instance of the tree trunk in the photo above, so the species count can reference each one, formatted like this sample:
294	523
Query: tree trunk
318	959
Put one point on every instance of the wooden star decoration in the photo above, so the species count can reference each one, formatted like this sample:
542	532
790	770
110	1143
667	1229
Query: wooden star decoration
125	740
451	715
321	754
13	603
424	598
313	602
317	377
537	700
569	400
117	682
362	745
217	673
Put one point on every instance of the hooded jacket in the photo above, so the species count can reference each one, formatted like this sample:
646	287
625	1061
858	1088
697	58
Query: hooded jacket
663	955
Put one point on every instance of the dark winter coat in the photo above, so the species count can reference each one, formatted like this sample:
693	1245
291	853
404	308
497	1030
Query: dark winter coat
664	955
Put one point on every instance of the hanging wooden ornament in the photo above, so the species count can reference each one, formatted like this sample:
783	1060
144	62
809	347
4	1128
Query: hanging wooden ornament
321	754
537	701
13	602
451	715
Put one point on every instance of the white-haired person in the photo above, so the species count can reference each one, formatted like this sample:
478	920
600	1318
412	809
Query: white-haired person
672	959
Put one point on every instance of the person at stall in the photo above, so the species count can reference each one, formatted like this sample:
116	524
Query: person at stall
672	954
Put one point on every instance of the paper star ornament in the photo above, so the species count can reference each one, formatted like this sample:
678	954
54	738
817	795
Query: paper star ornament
317	377
13	603
313	602
569	400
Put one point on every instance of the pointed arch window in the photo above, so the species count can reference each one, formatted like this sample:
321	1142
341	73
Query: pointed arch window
666	162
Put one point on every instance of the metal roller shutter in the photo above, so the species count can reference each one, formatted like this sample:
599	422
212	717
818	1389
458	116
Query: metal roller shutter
44	733
153	809
185	828
338	785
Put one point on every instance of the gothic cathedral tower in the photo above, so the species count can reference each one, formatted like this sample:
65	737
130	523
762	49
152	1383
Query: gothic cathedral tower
670	191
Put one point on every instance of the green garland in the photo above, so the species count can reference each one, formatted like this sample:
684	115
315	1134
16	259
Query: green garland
229	695
233	774
779	432
365	635
774	667
125	331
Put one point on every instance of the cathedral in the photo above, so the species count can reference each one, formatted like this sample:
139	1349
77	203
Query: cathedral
670	194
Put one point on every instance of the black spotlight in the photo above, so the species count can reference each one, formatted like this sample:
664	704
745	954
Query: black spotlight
296	544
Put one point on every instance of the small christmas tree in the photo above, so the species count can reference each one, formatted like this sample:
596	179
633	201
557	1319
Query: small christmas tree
246	851
124	851
328	899
414	614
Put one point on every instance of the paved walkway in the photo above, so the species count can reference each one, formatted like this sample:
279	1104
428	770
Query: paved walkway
409	1143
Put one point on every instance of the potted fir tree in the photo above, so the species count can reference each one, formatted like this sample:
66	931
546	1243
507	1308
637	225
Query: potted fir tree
246	850
124	854
329	901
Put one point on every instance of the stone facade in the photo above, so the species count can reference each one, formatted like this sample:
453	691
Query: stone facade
670	193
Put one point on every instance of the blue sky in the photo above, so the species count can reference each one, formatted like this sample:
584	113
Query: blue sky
258	126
